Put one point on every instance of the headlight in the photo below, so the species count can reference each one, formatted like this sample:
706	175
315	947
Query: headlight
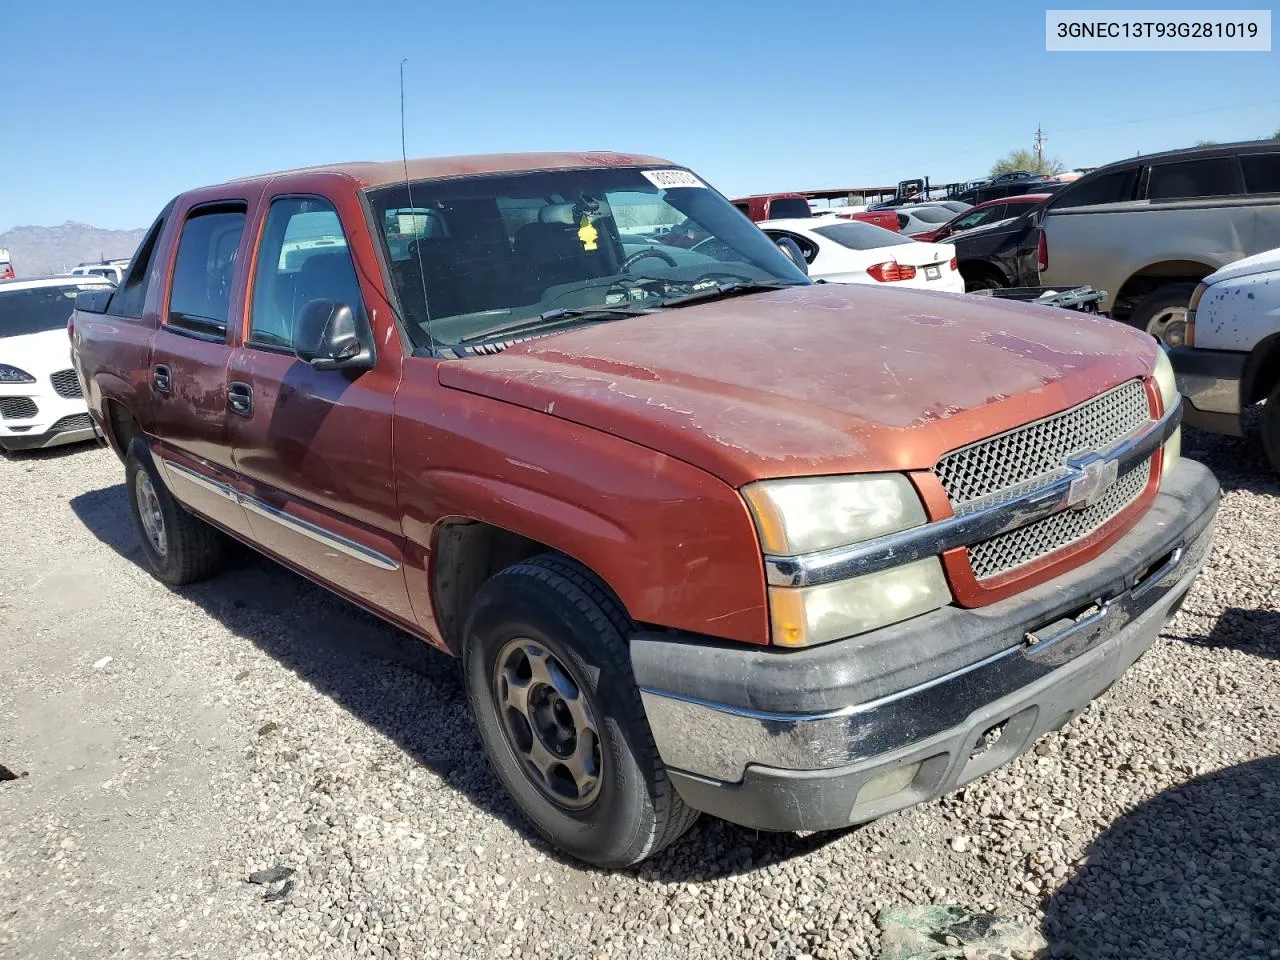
10	374
805	514
1168	385
803	616
1172	451
1165	380
1196	294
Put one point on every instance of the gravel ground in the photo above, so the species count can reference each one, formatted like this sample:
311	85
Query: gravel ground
256	722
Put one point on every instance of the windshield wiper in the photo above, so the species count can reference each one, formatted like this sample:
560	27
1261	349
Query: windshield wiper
555	318
737	288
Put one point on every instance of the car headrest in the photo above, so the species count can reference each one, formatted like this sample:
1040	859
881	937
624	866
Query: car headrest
556	213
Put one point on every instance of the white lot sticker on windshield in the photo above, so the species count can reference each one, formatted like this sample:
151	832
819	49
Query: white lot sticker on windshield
666	179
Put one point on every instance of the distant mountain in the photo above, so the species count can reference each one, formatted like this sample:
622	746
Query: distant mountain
43	250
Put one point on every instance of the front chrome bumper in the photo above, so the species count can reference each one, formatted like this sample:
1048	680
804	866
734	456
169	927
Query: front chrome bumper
786	739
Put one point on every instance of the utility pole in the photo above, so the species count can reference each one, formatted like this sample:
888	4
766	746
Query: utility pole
1039	149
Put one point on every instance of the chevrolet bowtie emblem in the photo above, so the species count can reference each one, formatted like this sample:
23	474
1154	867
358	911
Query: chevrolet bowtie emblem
1091	479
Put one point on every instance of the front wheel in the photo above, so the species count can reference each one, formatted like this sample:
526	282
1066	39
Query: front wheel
1271	428
549	681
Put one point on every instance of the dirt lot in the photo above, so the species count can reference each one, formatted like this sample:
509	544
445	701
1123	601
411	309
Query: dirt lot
175	742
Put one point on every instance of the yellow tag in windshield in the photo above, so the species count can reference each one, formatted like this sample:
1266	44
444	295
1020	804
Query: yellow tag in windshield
588	234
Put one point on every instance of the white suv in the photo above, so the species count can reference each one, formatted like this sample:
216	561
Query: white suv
41	402
108	271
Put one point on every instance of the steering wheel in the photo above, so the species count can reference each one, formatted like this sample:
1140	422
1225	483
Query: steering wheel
647	252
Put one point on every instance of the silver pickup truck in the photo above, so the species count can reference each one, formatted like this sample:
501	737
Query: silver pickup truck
1150	228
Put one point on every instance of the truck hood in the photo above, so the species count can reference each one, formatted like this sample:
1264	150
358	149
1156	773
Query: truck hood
1264	262
817	379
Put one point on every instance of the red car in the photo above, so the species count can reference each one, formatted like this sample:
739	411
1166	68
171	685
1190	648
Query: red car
707	536
984	213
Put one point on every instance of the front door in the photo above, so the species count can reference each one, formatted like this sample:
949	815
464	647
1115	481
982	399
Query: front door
188	370
313	447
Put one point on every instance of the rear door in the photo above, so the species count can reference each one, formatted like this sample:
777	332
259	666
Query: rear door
312	447
188	370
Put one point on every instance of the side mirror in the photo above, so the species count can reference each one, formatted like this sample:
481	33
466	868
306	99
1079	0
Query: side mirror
331	336
94	301
792	250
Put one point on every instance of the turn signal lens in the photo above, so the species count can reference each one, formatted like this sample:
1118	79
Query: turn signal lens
805	616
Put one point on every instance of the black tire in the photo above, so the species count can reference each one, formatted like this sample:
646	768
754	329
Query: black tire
1271	428
980	280
193	550
560	606
1159	303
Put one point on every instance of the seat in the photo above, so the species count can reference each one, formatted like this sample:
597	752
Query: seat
549	252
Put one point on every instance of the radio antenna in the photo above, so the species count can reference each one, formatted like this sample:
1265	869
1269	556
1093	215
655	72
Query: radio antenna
413	214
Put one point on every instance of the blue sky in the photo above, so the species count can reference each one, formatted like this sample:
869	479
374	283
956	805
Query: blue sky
110	110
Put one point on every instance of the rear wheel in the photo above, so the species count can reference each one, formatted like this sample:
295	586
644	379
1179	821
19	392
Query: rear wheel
980	280
180	547
549	681
1162	307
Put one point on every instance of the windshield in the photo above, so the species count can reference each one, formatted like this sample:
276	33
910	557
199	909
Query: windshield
39	309
858	235
482	253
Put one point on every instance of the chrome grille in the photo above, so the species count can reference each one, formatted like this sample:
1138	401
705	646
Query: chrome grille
1010	550
66	384
17	408
1003	466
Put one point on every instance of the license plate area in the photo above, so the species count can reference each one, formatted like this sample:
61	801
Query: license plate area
932	273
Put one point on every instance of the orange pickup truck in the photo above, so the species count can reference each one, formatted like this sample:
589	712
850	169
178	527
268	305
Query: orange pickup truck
706	536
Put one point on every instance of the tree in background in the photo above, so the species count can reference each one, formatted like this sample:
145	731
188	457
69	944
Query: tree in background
1027	160
1205	143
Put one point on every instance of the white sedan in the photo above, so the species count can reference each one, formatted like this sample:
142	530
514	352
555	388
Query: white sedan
850	251
41	403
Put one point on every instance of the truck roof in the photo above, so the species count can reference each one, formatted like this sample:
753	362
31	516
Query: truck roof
377	174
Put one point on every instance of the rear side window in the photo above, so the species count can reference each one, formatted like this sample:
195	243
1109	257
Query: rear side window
129	300
200	298
303	257
784	208
808	249
1261	172
859	235
1189	179
745	208
1108	188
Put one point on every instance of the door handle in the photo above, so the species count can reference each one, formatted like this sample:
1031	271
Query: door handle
162	379
240	398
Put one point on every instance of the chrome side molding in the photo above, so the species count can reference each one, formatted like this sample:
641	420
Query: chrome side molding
964	529
335	541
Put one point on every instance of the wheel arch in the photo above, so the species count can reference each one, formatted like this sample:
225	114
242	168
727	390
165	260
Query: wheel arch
1154	275
1261	370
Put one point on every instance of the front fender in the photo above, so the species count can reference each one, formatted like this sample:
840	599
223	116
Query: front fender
675	544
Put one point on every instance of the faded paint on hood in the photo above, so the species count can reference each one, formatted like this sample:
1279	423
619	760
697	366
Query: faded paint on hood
816	379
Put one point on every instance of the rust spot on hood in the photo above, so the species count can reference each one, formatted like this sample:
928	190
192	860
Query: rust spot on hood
815	379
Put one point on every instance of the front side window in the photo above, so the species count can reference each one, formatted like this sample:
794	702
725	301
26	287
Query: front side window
130	299
475	256
1191	179
200	298
303	256
978	217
